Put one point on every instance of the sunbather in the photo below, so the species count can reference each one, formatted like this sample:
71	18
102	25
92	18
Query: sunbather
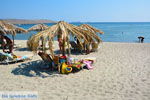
76	46
6	42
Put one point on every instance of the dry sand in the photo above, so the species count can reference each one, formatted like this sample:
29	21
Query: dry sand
121	72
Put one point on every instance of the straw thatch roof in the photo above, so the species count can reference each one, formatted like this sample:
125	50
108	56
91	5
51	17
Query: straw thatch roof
2	30
90	28
38	27
7	28
61	29
91	35
93	31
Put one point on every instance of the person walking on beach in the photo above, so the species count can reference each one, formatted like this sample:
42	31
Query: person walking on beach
6	42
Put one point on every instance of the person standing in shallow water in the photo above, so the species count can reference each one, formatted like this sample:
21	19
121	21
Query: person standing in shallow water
6	42
141	39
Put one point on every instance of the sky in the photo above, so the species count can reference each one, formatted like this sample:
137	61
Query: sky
77	10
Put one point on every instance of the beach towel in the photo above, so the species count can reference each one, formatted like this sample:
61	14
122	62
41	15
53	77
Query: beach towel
12	58
88	64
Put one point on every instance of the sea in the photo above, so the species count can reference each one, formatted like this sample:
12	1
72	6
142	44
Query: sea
113	31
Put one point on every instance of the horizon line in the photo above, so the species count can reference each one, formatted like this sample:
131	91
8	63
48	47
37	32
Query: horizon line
77	21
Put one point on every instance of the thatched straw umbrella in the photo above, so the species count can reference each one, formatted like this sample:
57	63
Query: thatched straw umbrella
7	28
62	29
2	30
93	33
90	28
38	27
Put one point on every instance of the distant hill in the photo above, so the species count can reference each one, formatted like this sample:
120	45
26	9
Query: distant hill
26	21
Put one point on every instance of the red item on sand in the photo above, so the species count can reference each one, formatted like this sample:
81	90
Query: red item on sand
63	57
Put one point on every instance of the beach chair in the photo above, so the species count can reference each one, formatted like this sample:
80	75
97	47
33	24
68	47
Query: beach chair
76	47
7	58
48	61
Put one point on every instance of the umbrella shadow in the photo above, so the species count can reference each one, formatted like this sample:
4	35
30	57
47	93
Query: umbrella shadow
57	52
137	41
77	52
22	49
34	69
73	52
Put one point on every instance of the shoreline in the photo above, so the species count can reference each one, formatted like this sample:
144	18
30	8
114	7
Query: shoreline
107	42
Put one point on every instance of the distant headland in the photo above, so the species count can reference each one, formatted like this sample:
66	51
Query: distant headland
28	21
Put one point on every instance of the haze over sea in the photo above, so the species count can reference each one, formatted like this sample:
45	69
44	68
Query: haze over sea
113	31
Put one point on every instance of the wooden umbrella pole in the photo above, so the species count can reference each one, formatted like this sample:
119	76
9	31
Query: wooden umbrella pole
63	48
43	48
69	52
13	40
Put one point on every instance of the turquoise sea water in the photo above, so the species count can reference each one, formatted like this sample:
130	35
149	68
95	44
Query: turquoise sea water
113	31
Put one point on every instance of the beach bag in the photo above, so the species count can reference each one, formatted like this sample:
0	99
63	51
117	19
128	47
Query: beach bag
65	69
62	59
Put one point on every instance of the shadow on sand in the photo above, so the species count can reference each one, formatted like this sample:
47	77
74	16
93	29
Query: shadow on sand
136	41
33	69
73	52
22	49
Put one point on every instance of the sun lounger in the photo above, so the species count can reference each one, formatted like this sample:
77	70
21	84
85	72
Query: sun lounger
6	58
76	47
48	61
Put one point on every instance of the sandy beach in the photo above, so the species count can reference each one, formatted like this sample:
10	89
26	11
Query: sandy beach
121	72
